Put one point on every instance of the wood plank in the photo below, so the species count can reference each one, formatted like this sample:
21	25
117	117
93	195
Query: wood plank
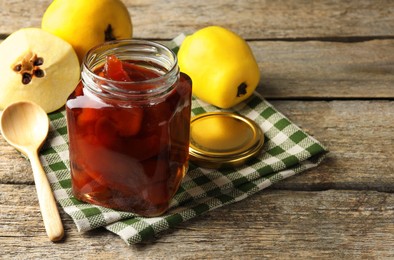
360	137
357	133
325	70
329	70
269	224
253	19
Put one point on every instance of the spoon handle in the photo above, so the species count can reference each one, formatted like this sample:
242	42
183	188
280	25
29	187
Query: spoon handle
50	214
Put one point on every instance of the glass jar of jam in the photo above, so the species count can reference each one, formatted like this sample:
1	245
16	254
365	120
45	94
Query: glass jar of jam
128	124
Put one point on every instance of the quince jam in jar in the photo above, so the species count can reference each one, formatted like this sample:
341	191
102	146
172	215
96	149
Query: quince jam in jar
128	125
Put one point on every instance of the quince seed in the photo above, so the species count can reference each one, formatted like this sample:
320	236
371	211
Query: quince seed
38	62
18	67
26	78
39	73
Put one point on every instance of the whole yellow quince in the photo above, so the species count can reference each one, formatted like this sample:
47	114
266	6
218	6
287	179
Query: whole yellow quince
87	23
221	65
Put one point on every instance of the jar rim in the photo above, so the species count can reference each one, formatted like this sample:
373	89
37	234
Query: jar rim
131	42
92	57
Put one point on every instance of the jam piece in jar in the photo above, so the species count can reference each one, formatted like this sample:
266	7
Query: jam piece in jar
129	156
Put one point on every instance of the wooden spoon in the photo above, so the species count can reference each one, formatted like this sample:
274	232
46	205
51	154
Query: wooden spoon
25	125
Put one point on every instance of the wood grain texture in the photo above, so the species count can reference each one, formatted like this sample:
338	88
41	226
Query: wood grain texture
280	224
325	70
360	137
357	133
253	19
328	65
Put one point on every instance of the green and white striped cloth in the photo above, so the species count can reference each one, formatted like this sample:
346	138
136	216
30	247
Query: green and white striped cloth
287	151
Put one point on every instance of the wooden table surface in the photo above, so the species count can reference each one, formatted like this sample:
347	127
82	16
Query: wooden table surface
328	65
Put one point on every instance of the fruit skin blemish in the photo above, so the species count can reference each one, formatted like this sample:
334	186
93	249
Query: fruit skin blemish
128	124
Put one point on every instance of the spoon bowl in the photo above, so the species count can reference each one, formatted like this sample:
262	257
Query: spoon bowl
24	125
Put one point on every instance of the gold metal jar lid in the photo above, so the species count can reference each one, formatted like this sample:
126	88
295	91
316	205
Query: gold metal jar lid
223	139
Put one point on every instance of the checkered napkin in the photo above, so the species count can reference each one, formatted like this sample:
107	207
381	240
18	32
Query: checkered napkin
287	151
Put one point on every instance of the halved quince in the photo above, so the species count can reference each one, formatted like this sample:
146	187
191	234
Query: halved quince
37	66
